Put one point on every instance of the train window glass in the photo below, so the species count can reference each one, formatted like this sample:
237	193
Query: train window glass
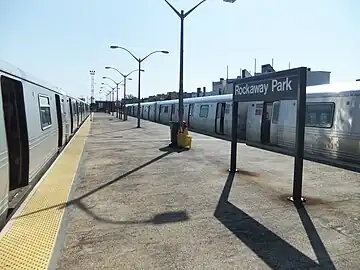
319	115
275	113
165	109
204	111
45	115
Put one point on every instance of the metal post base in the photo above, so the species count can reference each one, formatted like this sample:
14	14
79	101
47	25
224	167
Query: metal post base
291	199
173	145
236	170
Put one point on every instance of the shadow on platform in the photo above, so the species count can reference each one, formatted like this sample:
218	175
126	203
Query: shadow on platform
158	219
272	249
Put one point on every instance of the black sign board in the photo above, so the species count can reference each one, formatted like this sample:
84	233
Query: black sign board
282	85
273	86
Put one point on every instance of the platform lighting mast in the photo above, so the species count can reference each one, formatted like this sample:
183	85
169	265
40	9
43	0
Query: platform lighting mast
92	75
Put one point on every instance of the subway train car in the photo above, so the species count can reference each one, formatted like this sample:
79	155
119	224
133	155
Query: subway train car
36	121
332	119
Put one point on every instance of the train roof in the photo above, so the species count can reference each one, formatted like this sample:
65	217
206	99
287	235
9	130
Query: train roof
19	73
334	89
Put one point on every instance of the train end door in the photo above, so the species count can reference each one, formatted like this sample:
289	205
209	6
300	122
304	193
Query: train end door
253	122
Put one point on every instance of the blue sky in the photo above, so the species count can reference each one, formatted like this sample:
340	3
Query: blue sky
60	41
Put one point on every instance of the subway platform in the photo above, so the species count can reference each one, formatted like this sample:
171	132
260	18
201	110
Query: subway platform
119	198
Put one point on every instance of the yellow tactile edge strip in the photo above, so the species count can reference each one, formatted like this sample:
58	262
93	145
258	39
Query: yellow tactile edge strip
30	236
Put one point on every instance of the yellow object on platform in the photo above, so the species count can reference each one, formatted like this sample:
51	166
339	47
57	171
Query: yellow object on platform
183	138
27	241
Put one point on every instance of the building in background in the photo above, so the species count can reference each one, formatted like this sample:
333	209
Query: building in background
223	86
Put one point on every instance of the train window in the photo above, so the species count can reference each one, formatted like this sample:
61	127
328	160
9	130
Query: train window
204	111
45	115
275	113
165	109
319	115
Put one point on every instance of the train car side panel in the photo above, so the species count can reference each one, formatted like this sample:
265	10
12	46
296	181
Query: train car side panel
204	117
42	126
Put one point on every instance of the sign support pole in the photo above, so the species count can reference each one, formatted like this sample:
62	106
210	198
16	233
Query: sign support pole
300	134
234	138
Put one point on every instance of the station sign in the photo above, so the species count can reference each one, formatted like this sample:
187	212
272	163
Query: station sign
272	86
269	87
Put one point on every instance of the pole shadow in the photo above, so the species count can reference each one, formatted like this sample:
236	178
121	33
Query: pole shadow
271	248
315	240
158	219
77	200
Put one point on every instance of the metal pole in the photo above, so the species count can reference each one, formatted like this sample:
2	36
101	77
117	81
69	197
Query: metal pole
182	16
181	77
138	109
117	100
112	103
125	112
234	138
299	146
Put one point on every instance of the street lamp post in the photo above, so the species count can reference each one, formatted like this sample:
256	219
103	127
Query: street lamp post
139	60
124	103
106	93
182	16
117	94
124	76
111	98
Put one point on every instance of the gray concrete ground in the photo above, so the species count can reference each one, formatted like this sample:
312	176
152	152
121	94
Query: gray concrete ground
137	205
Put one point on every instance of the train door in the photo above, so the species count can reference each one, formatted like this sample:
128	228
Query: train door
274	123
266	122
71	117
77	113
190	112
172	112
81	113
59	120
155	110
159	113
253	121
16	132
220	118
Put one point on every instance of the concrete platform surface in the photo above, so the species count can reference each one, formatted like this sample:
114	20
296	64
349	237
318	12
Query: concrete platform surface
137	204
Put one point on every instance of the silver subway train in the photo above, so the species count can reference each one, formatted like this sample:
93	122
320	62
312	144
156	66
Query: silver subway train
36	121
332	119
